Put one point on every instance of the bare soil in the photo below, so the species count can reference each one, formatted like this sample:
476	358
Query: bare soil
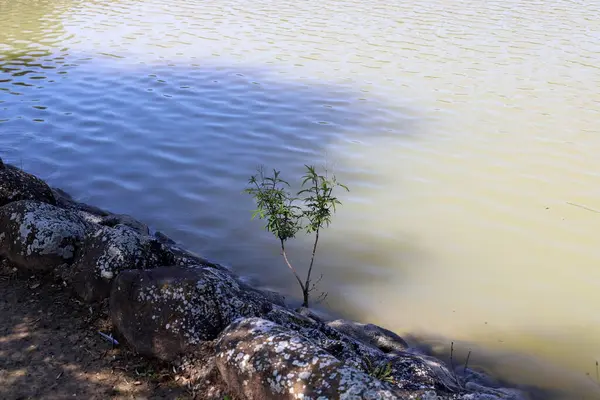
50	348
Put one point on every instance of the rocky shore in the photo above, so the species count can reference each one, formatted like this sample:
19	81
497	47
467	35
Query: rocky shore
173	305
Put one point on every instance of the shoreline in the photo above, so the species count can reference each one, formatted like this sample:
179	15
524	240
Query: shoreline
168	303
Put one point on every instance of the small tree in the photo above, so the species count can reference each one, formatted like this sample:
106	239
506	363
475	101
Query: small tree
285	218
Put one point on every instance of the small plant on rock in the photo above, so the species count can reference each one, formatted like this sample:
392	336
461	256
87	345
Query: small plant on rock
286	214
382	371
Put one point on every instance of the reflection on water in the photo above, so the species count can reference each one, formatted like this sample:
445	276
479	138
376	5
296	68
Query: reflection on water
465	130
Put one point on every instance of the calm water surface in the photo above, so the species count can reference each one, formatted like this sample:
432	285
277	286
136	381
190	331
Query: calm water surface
468	132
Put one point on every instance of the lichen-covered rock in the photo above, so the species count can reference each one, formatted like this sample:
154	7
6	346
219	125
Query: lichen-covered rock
372	335
113	220
40	236
259	359
187	258
108	251
16	185
420	372
348	350
164	312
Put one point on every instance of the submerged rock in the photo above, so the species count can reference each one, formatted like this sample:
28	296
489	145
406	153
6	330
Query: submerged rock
163	238
16	185
40	236
259	359
108	251
89	213
165	312
372	335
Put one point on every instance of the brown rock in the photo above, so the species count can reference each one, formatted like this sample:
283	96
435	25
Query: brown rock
165	312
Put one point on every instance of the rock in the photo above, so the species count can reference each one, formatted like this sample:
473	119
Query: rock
273	296
186	258
108	251
113	220
420	372
165	312
348	350
307	312
89	213
409	372
61	195
40	236
480	393
161	237
470	375
16	185
372	335
259	359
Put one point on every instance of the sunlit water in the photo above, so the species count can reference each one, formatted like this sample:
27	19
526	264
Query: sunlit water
467	131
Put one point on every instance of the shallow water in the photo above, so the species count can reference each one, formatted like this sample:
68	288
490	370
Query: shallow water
467	131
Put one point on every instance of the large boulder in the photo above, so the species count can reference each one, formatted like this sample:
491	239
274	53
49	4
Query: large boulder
108	251
259	359
16	185
40	236
372	335
165	312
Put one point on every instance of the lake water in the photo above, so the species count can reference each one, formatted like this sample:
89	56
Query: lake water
467	131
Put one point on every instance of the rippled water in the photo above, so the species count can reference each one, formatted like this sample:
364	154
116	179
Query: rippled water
468	132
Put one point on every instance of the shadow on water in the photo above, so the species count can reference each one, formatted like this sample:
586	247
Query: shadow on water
175	144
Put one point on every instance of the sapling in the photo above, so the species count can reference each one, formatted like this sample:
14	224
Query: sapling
286	214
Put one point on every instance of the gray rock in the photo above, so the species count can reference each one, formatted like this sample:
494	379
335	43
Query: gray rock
113	220
108	251
372	335
16	185
165	312
40	236
259	359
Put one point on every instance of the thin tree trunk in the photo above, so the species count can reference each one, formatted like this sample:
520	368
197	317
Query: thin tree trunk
312	261
283	253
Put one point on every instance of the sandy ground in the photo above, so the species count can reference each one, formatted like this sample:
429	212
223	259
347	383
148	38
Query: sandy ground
50	348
